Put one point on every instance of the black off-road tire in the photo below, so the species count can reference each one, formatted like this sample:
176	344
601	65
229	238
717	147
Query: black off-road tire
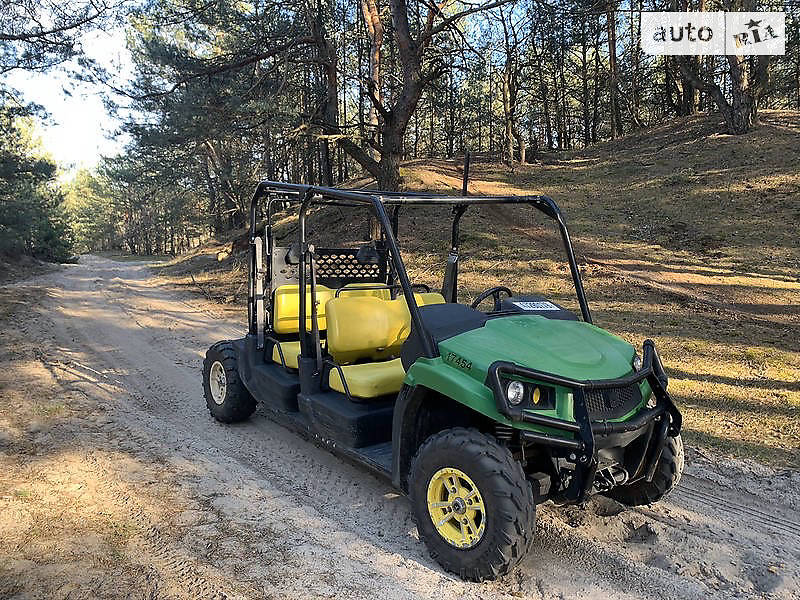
668	473
235	404
507	495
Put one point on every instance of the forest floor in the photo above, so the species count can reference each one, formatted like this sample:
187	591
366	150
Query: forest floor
684	235
116	483
17	268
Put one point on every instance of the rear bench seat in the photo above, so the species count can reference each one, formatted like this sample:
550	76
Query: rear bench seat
370	329
286	318
286	313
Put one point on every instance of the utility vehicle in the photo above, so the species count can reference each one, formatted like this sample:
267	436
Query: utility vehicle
476	415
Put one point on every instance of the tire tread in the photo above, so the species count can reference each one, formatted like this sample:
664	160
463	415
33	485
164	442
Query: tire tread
516	518
667	475
239	404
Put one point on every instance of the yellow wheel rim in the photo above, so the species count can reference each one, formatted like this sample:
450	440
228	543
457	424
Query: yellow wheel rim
456	508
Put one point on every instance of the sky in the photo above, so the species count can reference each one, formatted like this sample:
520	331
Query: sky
80	129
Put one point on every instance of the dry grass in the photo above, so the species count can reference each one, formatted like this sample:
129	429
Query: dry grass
17	268
223	281
684	235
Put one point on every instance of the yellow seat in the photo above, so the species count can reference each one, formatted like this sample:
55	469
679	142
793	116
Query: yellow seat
286	308
426	298
286	304
290	350
368	328
369	380
358	289
286	312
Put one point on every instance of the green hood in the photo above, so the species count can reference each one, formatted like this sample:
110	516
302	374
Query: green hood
572	349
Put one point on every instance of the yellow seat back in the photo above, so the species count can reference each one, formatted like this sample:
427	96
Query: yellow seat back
367	327
426	298
363	289
286	308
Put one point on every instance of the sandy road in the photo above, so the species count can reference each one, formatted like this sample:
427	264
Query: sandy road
253	511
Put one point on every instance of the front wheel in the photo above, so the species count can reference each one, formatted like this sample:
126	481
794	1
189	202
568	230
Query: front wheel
667	475
227	399
473	506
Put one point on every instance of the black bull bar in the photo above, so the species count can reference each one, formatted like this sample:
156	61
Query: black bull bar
580	448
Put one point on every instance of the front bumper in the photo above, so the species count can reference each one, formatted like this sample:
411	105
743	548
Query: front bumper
586	436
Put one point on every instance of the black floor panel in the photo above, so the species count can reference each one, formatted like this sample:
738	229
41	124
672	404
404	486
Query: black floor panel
356	425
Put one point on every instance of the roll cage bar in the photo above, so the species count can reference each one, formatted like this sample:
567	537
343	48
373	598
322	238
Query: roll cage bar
378	201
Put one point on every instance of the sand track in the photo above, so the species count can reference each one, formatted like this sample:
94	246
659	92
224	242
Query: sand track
253	511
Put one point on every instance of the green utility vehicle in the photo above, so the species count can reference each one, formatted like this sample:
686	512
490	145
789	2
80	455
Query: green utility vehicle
476	415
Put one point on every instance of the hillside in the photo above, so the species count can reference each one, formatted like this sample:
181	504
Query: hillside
684	235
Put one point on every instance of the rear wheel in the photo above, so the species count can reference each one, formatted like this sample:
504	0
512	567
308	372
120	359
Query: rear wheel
226	397
473	506
667	475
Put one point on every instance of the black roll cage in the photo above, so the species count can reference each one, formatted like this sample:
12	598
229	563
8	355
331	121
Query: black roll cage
378	201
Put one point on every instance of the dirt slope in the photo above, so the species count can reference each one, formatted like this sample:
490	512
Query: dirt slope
115	482
684	235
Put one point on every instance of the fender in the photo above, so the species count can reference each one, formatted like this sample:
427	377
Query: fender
424	377
441	376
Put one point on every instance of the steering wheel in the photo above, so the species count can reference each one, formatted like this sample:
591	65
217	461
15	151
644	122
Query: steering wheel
494	292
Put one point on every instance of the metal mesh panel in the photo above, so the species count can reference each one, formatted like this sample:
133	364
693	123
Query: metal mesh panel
612	403
337	267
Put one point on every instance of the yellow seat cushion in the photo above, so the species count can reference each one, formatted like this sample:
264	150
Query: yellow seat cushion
291	351
369	380
286	308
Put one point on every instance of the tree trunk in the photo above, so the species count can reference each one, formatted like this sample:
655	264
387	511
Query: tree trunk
213	202
587	136
548	121
636	45
742	114
509	139
747	84
564	91
395	114
508	109
596	78
451	112
490	112
372	19
614	109
558	108
522	147
389	176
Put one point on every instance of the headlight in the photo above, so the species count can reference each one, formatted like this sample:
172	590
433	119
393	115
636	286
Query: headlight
515	392
637	362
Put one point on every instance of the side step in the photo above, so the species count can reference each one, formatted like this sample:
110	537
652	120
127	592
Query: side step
269	383
379	455
335	417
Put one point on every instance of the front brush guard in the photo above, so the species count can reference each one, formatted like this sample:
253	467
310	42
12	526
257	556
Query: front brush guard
581	445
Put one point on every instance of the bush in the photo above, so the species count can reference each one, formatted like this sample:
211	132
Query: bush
32	218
